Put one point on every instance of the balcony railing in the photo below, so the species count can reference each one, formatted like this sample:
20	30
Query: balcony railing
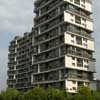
77	53
78	77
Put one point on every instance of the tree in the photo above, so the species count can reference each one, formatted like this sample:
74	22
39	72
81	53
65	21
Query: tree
56	94
21	97
1	97
10	94
84	93
36	94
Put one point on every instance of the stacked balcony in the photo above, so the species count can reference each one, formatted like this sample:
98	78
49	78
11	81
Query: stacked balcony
63	31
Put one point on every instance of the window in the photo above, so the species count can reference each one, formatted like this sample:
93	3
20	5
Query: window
73	58
86	60
84	39
84	21
72	36
74	88
74	82
72	17
79	40
79	62
77	2
77	20
73	64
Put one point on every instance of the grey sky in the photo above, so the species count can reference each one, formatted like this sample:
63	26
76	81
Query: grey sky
16	18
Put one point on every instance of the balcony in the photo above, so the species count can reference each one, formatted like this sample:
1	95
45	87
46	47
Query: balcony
79	77
80	64
79	42
87	6
78	21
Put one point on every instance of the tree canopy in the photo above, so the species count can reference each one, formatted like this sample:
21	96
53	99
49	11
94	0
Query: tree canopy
38	93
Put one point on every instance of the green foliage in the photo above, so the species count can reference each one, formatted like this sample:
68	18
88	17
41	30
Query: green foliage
10	94
84	93
38	93
1	97
56	94
96	95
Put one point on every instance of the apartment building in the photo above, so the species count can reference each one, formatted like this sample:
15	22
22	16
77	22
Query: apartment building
60	47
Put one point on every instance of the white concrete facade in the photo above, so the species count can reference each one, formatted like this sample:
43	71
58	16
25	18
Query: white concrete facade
84	4
71	39
83	22
85	43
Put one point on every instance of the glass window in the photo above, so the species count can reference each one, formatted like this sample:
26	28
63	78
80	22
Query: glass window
77	2
77	19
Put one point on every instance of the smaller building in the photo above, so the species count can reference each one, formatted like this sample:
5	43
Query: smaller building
95	85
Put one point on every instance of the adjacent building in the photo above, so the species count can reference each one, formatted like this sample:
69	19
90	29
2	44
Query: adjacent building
59	50
95	85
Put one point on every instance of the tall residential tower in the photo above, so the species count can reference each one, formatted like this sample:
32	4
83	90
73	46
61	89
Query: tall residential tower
60	51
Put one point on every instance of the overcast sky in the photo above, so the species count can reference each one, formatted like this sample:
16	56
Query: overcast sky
16	18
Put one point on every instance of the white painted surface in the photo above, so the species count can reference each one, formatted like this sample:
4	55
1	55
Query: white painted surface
70	18
88	44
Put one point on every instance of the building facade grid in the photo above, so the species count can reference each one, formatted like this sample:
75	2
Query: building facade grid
58	51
